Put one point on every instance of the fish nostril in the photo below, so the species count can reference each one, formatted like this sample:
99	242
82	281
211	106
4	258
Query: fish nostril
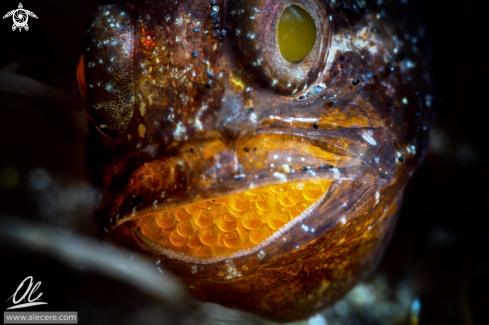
230	132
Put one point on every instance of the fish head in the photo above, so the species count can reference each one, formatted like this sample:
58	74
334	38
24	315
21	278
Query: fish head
264	183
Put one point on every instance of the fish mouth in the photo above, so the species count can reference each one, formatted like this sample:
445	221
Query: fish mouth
211	201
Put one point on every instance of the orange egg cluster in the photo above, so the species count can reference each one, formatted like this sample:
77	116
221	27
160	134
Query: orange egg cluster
225	225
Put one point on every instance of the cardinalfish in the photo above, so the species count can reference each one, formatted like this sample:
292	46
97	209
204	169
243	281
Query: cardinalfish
257	149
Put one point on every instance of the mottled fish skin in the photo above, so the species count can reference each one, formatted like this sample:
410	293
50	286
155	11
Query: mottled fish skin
192	84
108	57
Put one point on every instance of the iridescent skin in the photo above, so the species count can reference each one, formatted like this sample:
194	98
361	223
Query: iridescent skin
184	111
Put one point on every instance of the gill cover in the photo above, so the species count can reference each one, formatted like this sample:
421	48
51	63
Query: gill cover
108	61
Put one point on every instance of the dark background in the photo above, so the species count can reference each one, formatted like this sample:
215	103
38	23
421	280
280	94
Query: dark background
441	243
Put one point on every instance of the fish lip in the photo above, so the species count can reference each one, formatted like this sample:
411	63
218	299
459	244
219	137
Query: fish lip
377	139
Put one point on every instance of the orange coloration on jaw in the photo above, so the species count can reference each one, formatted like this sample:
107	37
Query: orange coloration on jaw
334	118
147	39
225	225
80	77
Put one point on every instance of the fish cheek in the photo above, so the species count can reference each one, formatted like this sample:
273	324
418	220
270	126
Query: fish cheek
109	72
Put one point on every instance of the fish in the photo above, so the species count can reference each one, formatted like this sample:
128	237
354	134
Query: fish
258	150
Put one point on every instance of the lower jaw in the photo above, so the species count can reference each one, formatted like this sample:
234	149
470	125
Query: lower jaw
295	275
311	278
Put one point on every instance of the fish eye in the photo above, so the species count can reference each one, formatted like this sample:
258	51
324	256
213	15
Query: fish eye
296	33
280	45
105	72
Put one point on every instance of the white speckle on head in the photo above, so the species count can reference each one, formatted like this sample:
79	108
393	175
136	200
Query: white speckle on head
261	254
280	176
336	172
286	168
198	125
292	119
306	228
275	156
155	203
343	220
232	272
179	131
253	118
368	137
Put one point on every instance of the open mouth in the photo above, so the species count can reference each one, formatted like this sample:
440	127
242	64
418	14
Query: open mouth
211	201
224	226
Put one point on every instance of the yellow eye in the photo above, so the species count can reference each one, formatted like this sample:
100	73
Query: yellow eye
296	33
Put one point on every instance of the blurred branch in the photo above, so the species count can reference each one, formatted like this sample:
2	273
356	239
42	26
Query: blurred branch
12	82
